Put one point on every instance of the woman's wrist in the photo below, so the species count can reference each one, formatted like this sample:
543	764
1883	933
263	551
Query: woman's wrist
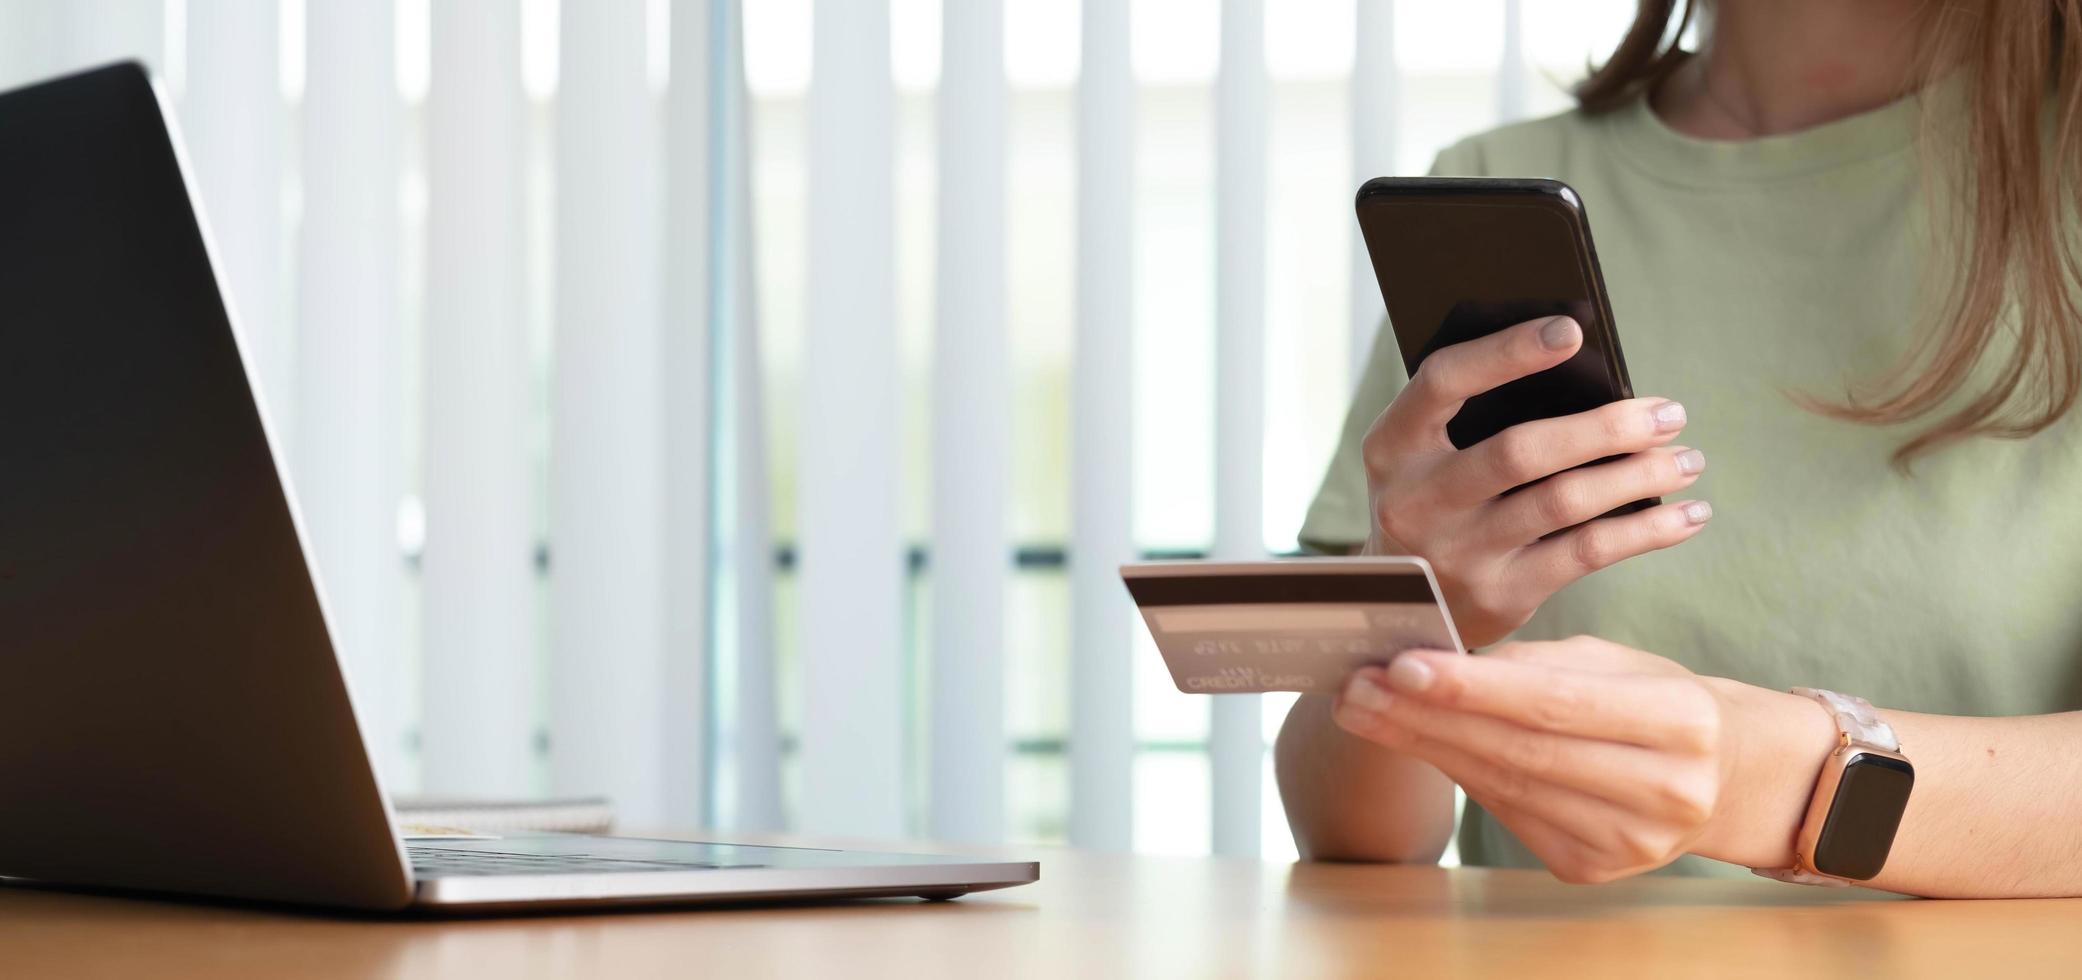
1775	743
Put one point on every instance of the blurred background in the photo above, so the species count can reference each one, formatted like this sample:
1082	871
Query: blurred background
737	409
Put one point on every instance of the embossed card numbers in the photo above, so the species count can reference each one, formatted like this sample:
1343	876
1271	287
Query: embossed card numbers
1300	624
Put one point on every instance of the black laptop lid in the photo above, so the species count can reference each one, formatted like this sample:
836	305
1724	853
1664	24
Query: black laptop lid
174	717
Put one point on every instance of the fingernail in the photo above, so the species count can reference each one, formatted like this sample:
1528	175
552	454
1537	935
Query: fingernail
1365	692
1698	512
1669	417
1558	334
1409	674
1691	461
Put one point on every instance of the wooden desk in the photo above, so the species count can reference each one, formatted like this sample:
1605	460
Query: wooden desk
1103	916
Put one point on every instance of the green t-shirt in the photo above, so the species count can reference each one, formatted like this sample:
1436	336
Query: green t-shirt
1738	272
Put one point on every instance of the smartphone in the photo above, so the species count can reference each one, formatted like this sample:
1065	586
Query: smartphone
1462	257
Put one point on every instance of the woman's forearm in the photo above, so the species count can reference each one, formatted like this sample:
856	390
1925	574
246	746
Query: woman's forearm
1607	761
1996	811
1348	799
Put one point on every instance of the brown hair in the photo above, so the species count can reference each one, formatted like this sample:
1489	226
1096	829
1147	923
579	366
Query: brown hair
2010	182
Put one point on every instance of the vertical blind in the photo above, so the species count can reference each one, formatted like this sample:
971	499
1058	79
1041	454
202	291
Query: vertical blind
605	502
344	449
1102	720
477	717
972	431
1234	738
851	594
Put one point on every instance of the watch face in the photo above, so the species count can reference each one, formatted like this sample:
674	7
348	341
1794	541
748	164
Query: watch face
1867	810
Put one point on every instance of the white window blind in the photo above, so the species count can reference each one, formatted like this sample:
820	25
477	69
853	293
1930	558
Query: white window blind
972	415
622	453
1376	90
1235	743
694	227
95	31
606	513
29	31
346	454
1101	732
747	763
478	564
1511	91
851	550
234	119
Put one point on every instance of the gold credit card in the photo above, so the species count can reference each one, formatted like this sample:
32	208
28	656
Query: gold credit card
1300	624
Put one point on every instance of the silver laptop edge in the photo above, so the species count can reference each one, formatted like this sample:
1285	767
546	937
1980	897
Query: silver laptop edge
183	723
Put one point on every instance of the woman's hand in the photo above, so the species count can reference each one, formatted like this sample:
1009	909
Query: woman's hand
1444	504
1605	761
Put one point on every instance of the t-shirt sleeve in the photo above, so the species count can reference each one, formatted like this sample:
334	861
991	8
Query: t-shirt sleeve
1337	519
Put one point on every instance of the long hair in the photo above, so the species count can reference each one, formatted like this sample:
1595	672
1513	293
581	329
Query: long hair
2004	172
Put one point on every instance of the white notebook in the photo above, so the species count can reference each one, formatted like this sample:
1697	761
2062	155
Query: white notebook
435	817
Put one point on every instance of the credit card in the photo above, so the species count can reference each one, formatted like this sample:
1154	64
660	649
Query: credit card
1301	624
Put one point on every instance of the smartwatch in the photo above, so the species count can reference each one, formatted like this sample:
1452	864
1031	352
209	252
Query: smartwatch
1858	802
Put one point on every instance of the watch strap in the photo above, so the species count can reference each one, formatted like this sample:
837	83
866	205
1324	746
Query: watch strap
1795	876
1859	724
1856	718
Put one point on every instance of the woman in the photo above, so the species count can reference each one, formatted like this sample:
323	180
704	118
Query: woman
1841	235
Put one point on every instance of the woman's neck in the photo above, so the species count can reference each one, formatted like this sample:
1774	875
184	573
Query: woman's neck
1776	66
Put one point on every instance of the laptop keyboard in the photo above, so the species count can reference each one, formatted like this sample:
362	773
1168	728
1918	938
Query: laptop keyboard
443	862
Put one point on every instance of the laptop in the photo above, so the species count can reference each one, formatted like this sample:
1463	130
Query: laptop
173	716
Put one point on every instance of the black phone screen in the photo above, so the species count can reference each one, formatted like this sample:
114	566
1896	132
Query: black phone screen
1458	258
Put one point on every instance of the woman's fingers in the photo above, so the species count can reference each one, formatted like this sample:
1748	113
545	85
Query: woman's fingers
1583	816
1663	713
1454	374
1570	498
1514	759
1587	653
1544	567
1572	860
1427	498
1532	450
